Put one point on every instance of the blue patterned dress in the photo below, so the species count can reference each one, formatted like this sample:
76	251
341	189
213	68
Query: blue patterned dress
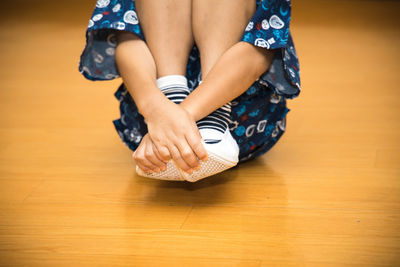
258	117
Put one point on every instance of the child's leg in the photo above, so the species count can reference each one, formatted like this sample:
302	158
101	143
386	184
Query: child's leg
217	26
168	32
167	29
169	37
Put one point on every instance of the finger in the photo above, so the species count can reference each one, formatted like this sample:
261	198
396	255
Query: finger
176	156
151	156
141	160
188	155
198	148
157	154
145	165
145	169
163	151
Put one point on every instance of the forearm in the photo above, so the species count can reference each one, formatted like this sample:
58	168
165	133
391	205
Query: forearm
233	74
138	71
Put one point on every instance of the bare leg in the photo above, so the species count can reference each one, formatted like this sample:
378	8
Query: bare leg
228	66
217	26
167	28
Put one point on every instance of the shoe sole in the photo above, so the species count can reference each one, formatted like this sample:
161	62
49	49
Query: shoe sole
212	166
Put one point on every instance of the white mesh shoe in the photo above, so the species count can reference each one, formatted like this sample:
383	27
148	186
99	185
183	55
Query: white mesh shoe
222	155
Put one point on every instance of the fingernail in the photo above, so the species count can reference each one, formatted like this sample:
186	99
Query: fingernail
163	168
158	170
190	171
197	168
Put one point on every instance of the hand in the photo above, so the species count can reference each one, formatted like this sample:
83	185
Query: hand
175	135
147	156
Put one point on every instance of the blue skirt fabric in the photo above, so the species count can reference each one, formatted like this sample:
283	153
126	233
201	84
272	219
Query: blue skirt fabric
258	117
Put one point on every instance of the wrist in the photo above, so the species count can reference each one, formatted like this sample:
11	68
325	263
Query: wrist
150	103
191	109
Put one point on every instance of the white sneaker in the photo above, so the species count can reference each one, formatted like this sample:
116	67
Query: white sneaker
222	155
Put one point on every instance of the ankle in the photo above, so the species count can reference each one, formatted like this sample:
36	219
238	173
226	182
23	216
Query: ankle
171	80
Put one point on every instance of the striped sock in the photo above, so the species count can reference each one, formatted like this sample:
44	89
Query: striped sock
175	88
217	122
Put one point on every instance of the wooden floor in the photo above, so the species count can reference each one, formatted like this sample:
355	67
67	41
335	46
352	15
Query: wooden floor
326	195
